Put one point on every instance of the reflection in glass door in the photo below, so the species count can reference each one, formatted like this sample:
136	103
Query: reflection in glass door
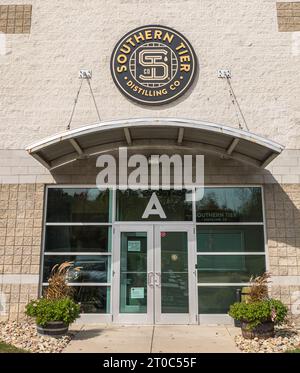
154	278
174	272
133	277
175	290
133	272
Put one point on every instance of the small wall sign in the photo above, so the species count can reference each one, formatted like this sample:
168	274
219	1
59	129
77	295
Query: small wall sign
137	293
153	65
134	245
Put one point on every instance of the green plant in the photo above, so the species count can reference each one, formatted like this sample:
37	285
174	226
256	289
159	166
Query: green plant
255	313
294	351
7	348
46	310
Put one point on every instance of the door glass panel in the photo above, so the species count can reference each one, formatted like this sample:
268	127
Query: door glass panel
174	273
133	272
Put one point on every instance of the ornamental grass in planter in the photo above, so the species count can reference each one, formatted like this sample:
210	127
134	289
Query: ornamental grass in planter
56	310
258	313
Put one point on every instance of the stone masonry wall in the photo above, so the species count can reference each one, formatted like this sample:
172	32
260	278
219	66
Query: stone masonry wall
288	16
282	205
21	215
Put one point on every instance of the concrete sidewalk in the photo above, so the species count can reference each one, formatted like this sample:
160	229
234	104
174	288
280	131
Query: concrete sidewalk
158	338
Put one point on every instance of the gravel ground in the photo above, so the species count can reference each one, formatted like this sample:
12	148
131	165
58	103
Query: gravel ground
286	338
24	335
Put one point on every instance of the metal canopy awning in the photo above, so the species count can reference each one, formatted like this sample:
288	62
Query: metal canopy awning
154	133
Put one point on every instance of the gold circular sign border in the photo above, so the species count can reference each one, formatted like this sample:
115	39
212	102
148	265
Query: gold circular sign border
168	100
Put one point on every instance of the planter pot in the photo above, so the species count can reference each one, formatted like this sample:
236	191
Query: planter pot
262	331
53	329
237	323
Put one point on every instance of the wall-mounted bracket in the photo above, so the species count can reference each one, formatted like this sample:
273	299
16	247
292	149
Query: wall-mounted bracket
85	74
224	74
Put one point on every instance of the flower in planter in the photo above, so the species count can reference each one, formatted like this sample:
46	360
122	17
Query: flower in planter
53	310
273	314
56	310
258	313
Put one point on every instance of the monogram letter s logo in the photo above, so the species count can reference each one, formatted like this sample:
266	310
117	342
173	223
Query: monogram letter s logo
153	61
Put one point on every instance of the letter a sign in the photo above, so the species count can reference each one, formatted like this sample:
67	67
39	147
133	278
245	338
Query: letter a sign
154	208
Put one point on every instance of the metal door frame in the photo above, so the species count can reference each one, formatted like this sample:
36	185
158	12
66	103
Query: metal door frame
154	315
133	318
176	318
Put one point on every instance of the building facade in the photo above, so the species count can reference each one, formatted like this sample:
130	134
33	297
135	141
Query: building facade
237	104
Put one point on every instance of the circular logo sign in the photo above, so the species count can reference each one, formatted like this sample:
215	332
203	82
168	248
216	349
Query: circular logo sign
153	65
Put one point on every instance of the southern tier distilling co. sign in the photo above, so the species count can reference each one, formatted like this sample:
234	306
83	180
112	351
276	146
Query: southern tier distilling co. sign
153	65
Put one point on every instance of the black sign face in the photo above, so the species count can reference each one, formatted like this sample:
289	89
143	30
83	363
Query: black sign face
153	65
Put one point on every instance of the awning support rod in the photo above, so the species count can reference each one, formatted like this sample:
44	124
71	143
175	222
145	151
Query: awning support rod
232	146
84	75
74	105
180	135
127	135
76	146
268	160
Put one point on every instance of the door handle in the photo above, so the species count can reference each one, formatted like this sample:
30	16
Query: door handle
158	276
151	279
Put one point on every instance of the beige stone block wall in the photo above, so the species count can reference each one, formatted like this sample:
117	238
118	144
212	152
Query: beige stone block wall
21	216
15	19
282	205
288	14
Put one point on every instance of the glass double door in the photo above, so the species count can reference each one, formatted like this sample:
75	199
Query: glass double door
154	278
